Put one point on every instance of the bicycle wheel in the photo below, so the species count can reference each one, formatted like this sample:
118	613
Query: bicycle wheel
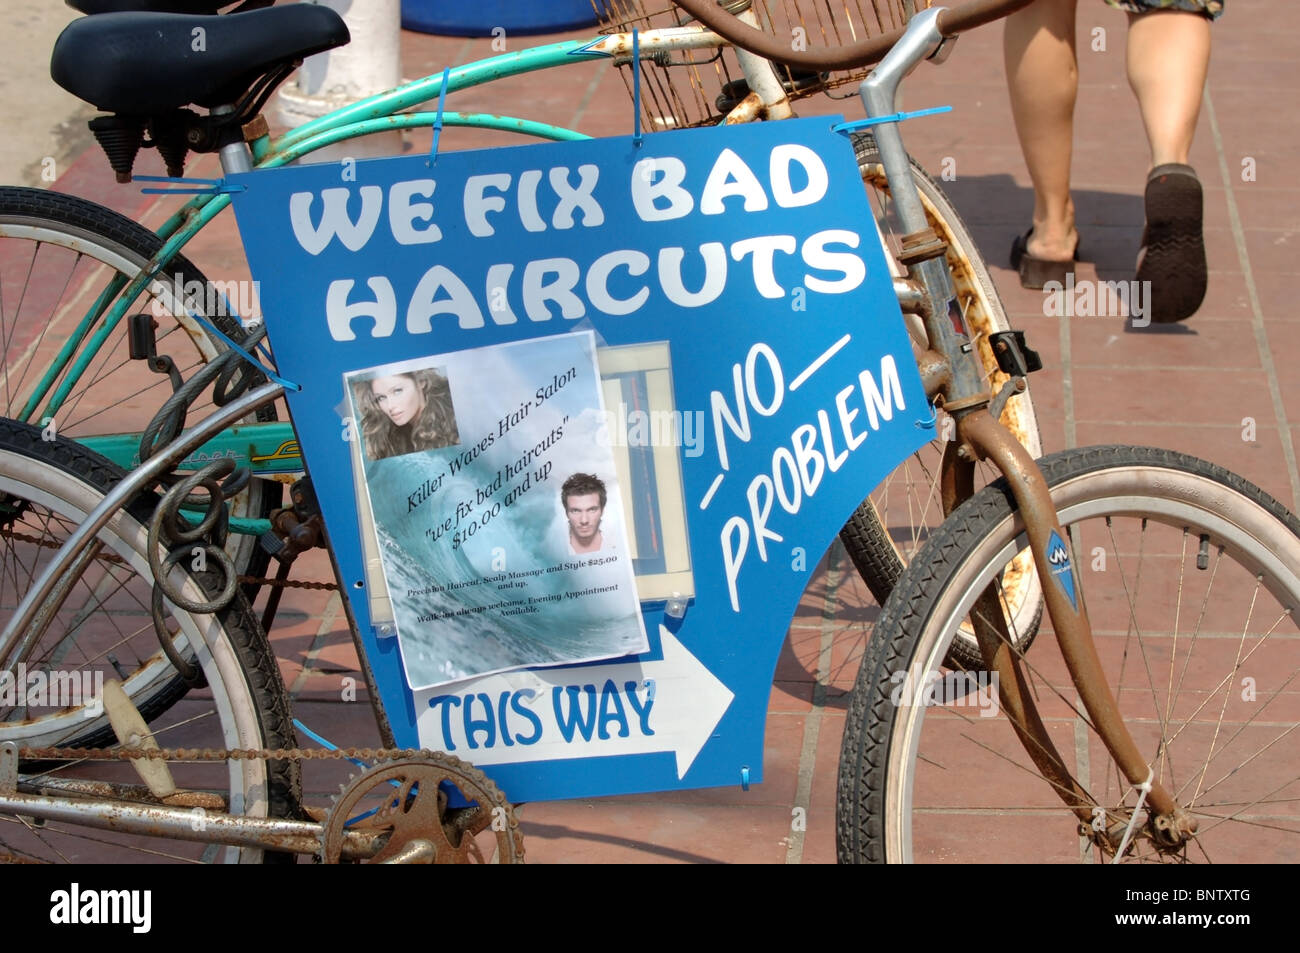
50	696
1191	577
63	259
891	525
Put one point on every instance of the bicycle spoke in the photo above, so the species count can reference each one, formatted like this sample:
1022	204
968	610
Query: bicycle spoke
83	834
1248	761
1228	678
1135	631
18	315
39	835
1218	724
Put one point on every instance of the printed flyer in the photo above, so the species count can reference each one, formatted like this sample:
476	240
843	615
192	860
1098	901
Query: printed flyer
497	509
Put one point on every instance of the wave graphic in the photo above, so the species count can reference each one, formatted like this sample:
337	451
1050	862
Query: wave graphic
503	599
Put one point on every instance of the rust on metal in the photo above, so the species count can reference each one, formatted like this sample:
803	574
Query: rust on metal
909	294
935	370
747	110
256	128
413	823
921	246
1073	632
977	402
956	478
192	799
1016	699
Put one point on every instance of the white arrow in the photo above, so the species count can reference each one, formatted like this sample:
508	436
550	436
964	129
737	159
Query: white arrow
578	712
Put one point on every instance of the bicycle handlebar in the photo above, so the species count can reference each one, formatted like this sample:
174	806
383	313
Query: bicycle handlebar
965	16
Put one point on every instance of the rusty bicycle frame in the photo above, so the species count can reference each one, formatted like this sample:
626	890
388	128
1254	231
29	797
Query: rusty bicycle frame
953	378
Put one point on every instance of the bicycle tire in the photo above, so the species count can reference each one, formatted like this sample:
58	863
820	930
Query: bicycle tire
49	240
870	535
46	489
52	240
918	781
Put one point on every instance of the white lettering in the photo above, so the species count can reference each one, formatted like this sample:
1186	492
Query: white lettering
403	213
715	275
538	291
851	268
764	249
477	205
730	176
779	169
339	314
424	306
334	218
637	263
656	181
581	197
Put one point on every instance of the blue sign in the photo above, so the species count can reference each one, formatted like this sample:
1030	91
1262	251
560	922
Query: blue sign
758	383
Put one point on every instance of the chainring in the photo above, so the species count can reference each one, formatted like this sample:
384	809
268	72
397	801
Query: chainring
406	800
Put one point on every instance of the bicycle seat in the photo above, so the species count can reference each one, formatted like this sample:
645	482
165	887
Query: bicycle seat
145	64
161	6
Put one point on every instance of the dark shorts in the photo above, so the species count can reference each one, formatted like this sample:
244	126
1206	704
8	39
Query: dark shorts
1208	8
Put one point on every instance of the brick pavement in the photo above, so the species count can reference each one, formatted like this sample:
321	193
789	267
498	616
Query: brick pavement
1194	387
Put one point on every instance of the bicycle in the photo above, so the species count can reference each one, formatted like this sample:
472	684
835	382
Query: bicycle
26	445
916	767
87	387
88	384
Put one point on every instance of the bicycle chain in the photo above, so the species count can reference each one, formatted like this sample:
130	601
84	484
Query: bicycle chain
218	754
289	583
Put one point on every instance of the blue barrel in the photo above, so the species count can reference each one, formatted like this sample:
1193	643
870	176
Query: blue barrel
459	18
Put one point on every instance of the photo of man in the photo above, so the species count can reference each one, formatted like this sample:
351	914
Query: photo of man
583	498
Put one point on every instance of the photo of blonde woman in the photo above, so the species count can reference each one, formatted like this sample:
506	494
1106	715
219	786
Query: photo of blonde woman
404	413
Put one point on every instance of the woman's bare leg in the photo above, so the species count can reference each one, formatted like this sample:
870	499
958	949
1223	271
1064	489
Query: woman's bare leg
1168	56
1043	79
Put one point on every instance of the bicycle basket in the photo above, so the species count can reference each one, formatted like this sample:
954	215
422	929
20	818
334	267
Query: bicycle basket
699	87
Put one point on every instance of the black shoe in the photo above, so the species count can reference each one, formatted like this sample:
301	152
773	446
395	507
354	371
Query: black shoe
1037	272
1172	256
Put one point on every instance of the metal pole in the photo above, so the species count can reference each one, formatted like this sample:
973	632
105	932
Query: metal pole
370	64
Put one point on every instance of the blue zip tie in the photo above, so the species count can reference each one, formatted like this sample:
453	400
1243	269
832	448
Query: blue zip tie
744	778
271	375
360	764
848	127
324	743
927	424
637	138
221	335
189	186
437	120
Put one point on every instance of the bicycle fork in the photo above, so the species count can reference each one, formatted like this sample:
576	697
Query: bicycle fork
1169	825
952	374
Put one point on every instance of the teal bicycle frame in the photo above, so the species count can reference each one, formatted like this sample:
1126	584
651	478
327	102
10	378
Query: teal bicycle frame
270	449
